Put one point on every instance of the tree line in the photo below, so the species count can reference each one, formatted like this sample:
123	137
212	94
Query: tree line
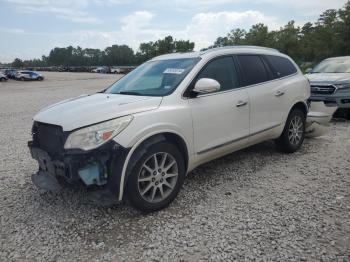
113	55
308	44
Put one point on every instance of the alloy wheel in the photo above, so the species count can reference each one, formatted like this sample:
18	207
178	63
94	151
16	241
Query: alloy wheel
295	131
157	177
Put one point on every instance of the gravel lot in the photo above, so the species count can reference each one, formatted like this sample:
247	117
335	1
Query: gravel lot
255	204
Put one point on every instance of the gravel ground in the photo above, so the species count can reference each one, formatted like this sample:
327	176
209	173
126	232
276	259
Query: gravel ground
255	204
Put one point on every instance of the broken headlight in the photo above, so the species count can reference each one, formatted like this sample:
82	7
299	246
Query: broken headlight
93	136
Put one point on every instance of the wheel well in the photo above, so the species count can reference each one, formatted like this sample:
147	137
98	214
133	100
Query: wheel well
175	139
301	106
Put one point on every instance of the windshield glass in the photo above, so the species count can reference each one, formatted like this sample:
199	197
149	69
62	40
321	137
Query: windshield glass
339	65
154	78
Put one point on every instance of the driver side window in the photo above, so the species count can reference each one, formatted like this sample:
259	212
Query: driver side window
222	70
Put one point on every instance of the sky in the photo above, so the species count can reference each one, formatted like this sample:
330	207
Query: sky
31	28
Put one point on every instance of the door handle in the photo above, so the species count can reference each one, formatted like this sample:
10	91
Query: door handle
279	93
241	103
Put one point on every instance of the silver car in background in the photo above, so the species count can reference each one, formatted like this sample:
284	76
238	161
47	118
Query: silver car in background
330	82
28	75
3	77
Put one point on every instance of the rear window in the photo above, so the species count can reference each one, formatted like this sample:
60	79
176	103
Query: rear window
254	70
281	66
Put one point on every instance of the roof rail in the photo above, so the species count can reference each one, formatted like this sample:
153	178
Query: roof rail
238	47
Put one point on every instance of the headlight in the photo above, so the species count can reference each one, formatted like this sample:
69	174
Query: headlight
340	86
93	136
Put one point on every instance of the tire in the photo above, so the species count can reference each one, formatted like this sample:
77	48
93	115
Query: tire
147	180
40	78
22	79
293	133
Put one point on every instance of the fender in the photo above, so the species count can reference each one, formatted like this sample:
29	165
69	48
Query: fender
156	138
296	102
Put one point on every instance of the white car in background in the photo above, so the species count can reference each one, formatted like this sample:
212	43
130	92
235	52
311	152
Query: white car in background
3	77
116	70
140	137
28	75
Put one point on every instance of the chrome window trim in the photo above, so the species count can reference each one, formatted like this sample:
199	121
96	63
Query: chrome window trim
234	89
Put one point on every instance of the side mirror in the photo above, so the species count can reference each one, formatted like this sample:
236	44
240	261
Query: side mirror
308	71
206	85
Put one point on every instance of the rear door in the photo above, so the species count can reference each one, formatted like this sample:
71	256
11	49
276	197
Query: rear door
287	87
221	118
264	94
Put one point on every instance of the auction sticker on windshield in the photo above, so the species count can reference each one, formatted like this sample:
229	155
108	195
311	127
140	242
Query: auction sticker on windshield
176	71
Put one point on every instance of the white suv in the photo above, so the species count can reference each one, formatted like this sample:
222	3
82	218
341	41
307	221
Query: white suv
139	138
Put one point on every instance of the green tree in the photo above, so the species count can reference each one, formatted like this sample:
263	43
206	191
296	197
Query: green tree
118	55
257	35
17	63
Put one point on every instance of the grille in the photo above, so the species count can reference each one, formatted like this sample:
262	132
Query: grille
323	90
49	138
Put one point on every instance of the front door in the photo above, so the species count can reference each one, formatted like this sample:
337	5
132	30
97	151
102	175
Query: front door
221	118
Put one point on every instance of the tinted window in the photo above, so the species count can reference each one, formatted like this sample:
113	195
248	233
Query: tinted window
253	69
281	66
222	70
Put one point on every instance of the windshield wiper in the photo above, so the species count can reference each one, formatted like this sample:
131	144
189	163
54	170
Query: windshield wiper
130	93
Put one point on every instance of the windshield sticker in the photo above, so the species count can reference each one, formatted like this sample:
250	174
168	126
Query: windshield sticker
176	71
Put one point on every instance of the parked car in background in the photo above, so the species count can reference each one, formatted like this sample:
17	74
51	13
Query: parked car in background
140	137
330	82
3	77
116	70
101	69
28	75
10	73
122	69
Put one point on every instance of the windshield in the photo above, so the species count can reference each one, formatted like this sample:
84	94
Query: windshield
154	78
339	65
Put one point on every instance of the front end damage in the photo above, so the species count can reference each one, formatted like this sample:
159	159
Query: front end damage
98	169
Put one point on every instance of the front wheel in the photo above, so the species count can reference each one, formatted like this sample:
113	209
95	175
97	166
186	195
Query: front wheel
156	178
293	133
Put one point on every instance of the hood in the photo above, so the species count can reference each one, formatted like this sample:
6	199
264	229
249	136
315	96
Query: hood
87	110
329	78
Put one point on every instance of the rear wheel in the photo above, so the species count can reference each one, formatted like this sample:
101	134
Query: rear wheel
40	78
156	178
293	133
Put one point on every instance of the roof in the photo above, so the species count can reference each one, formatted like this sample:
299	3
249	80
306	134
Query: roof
218	50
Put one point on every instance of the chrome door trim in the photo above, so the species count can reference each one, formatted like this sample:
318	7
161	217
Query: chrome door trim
236	140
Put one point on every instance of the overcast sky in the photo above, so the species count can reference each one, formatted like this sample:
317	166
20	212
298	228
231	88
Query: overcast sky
31	28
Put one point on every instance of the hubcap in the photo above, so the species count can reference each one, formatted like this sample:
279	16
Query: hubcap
295	131
158	177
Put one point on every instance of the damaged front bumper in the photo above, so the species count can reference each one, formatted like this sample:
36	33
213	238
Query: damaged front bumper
100	167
